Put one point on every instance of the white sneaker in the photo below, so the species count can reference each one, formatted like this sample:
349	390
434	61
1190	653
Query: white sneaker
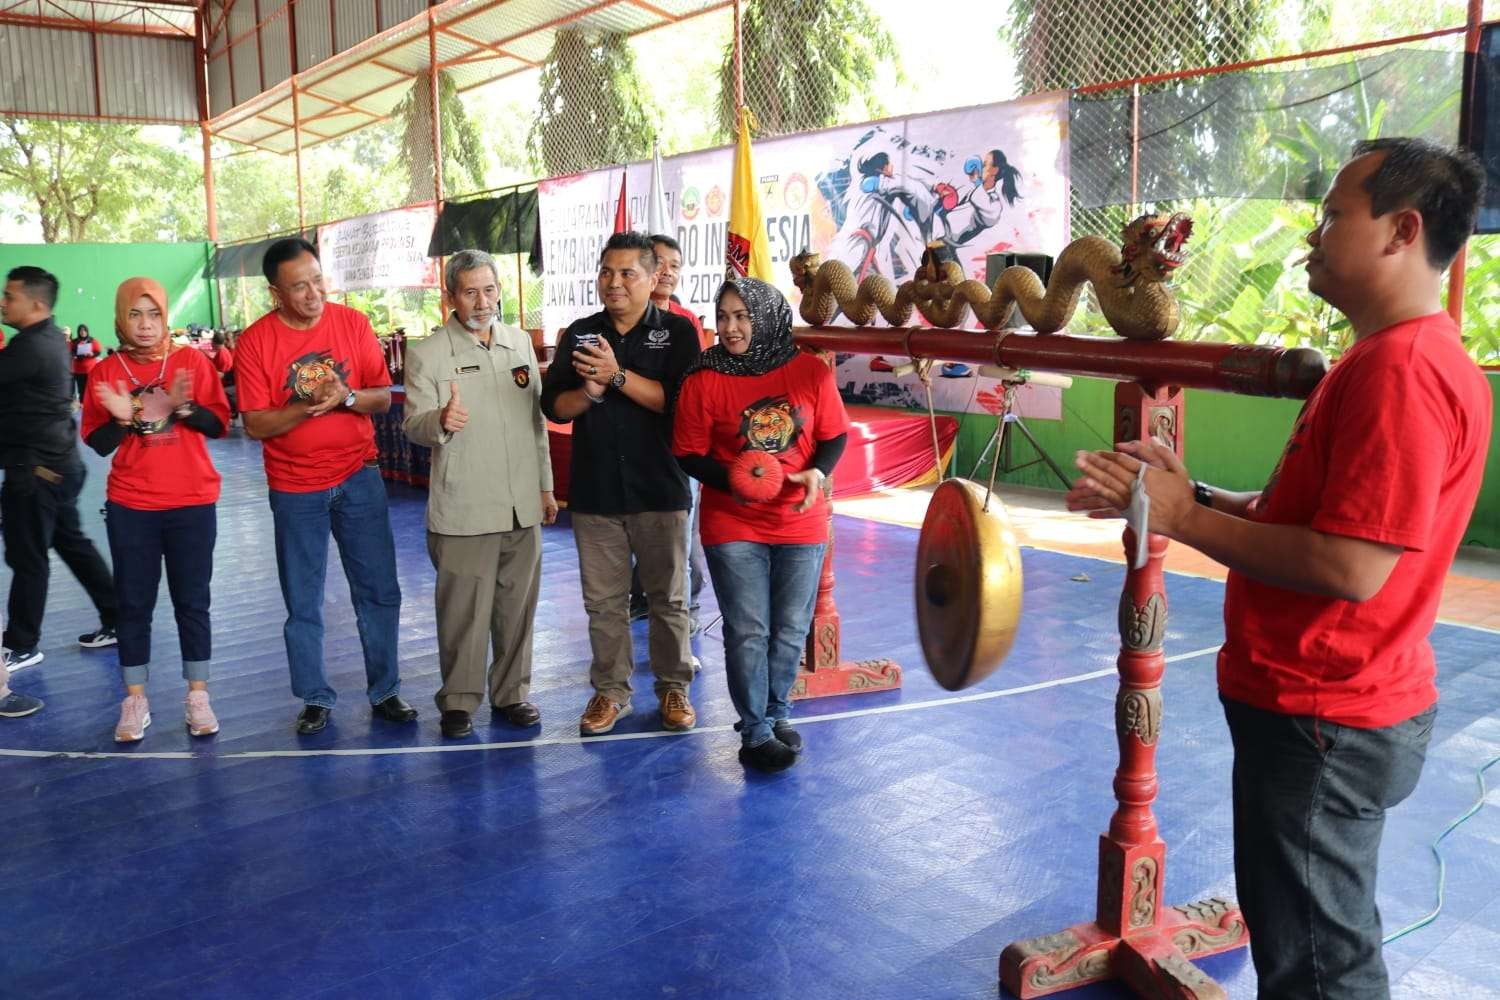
19	661
697	664
135	716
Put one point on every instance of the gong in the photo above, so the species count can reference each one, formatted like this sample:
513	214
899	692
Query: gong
968	585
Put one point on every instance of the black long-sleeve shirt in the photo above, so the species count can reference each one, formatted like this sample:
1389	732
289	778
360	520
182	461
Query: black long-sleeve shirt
36	400
622	452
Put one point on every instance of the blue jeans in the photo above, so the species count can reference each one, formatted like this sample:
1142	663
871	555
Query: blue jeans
766	594
1309	809
139	542
356	513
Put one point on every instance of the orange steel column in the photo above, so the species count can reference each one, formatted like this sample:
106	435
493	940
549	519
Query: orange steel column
1458	271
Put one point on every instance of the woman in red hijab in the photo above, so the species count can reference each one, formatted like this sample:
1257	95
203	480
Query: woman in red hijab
151	404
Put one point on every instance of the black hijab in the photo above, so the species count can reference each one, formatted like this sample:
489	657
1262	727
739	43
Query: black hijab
771	344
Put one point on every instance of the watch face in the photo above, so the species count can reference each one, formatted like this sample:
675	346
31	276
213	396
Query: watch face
618	379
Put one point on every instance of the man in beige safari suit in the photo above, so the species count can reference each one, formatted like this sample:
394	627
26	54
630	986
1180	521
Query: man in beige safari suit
473	396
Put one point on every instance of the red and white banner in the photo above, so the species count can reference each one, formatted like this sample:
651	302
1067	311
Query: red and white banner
385	250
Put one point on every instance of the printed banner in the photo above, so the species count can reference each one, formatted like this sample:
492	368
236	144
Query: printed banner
983	180
388	250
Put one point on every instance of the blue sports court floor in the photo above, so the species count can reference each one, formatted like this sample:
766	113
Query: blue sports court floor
920	833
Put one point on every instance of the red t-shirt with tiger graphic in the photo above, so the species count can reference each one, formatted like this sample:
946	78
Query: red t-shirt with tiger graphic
273	362
785	412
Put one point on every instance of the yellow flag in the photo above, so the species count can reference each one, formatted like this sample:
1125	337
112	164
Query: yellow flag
746	252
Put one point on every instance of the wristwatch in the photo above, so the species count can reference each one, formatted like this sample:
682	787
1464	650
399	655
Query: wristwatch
350	400
1203	493
617	380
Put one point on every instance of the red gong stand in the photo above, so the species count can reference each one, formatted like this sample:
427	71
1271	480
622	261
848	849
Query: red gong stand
1134	936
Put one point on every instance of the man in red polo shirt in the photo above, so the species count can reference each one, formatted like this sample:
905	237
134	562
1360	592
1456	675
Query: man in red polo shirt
1336	568
309	374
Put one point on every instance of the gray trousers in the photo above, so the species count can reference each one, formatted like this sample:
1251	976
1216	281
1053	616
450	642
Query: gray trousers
487	588
605	545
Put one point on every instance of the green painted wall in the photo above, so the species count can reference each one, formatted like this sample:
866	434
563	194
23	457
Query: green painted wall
89	273
1232	441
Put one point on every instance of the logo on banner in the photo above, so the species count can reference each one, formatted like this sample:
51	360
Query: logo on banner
714	202
794	194
690	202
522	375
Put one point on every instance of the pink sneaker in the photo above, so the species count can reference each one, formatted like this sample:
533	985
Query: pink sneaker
135	716
201	720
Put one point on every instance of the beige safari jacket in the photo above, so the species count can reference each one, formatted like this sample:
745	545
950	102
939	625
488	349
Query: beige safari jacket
489	476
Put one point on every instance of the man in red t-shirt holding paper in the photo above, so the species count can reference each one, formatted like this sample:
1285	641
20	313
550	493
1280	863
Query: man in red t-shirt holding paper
309	374
1336	568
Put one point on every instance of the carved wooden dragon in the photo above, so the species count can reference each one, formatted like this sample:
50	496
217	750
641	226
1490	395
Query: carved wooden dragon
1130	284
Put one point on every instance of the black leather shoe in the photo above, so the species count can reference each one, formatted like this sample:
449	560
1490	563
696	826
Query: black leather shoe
456	725
312	720
394	709
523	714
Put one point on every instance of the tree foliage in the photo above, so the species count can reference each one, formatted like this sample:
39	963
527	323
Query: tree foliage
1069	43
88	181
803	62
592	107
460	138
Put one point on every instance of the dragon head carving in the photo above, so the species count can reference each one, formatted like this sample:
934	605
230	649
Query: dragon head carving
804	268
1151	247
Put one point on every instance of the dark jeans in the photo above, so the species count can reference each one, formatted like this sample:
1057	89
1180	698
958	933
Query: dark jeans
139	542
1309	809
40	515
356	513
766	594
79	383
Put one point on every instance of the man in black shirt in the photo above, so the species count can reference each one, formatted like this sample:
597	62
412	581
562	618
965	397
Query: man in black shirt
627	496
43	471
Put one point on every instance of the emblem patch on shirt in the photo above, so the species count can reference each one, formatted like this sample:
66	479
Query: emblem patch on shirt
771	424
522	375
658	338
310	371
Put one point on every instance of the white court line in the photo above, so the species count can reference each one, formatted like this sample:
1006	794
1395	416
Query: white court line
572	740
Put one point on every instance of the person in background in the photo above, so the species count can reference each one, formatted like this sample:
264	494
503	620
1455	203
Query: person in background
150	406
309	374
668	273
1336	567
222	355
43	471
86	352
474	398
756	392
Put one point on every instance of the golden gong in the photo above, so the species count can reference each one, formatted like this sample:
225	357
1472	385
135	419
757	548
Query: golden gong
968	584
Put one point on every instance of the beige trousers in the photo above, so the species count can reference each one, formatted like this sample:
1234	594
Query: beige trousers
605	545
486	596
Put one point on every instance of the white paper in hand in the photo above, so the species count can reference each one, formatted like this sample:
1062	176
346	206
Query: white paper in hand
1138	516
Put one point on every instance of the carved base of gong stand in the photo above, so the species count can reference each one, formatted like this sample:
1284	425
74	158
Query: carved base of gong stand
823	674
1153	960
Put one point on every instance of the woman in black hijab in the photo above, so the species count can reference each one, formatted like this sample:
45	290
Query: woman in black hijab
755	392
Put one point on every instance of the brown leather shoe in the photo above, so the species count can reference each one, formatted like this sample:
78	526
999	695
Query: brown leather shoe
600	716
677	712
522	714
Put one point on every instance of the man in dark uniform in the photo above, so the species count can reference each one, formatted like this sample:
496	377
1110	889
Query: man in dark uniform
43	471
